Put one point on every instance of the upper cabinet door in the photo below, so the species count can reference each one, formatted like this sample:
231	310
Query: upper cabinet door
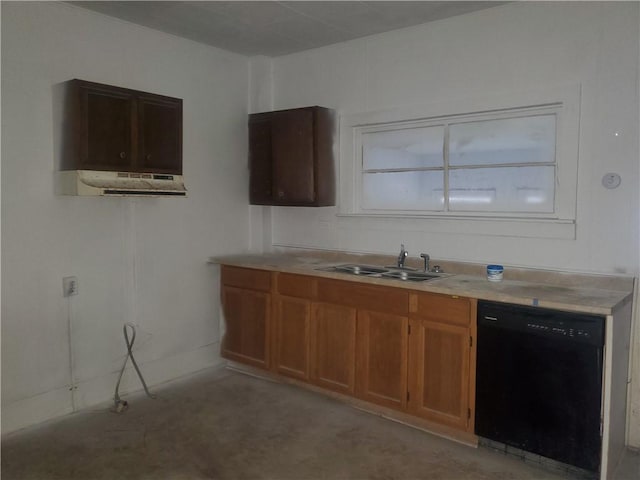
291	157
118	129
160	134
107	128
261	179
293	162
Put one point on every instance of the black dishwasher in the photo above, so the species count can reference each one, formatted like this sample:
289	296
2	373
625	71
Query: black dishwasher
539	381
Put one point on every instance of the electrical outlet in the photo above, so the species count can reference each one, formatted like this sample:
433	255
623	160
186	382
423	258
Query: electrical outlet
611	180
69	286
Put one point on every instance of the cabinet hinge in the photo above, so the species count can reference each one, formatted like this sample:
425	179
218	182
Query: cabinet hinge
471	341
601	425
468	414
409	330
408	396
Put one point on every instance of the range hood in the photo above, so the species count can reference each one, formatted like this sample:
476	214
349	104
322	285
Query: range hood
101	183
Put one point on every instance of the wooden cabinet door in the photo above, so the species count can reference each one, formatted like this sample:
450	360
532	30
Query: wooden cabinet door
260	161
293	156
110	128
381	365
246	315
107	138
160	134
439	359
332	347
291	329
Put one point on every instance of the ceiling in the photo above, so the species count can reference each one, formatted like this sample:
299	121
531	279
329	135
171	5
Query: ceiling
275	28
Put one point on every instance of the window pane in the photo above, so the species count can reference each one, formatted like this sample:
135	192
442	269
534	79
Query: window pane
502	189
511	140
402	191
406	148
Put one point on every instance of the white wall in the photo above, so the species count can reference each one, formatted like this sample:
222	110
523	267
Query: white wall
515	47
143	260
260	100
137	260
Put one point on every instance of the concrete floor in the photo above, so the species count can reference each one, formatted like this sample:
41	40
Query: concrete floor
219	424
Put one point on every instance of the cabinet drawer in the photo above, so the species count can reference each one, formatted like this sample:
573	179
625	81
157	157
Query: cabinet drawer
441	308
246	278
369	297
299	286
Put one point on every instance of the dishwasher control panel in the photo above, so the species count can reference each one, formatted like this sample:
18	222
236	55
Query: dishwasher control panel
570	326
565	331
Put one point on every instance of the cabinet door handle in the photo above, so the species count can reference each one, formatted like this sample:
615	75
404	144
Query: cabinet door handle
280	194
148	156
123	154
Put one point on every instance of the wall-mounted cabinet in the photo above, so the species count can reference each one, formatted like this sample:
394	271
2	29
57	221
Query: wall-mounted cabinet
291	157
118	129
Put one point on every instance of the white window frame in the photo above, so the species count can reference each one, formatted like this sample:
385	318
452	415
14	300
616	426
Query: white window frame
563	102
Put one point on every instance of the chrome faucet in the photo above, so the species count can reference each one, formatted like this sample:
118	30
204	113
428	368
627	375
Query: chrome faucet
426	258
402	257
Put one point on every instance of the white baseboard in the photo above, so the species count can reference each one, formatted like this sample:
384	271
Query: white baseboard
96	391
36	409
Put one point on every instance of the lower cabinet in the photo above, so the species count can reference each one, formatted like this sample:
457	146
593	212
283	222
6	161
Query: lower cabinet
292	317
358	347
246	304
292	325
333	347
409	351
440	359
382	344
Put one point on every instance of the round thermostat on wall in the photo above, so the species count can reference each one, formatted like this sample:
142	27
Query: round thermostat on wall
611	180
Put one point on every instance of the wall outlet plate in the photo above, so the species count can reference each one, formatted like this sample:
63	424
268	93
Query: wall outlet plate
69	286
611	180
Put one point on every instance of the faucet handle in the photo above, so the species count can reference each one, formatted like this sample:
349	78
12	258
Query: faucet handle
426	258
402	256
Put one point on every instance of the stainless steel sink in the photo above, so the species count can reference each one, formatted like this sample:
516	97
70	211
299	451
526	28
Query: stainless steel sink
383	272
410	276
357	269
407	269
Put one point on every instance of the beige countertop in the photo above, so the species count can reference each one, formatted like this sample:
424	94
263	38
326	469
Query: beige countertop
597	294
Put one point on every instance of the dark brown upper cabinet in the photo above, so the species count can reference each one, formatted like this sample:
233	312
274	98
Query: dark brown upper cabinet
291	157
118	129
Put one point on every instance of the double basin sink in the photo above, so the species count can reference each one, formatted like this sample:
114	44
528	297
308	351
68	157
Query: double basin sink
384	272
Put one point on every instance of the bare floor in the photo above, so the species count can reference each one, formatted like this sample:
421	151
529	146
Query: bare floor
223	425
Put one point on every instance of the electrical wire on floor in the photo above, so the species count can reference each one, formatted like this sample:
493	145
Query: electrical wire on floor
119	404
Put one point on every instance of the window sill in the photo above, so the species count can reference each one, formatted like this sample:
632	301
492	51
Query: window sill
494	226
